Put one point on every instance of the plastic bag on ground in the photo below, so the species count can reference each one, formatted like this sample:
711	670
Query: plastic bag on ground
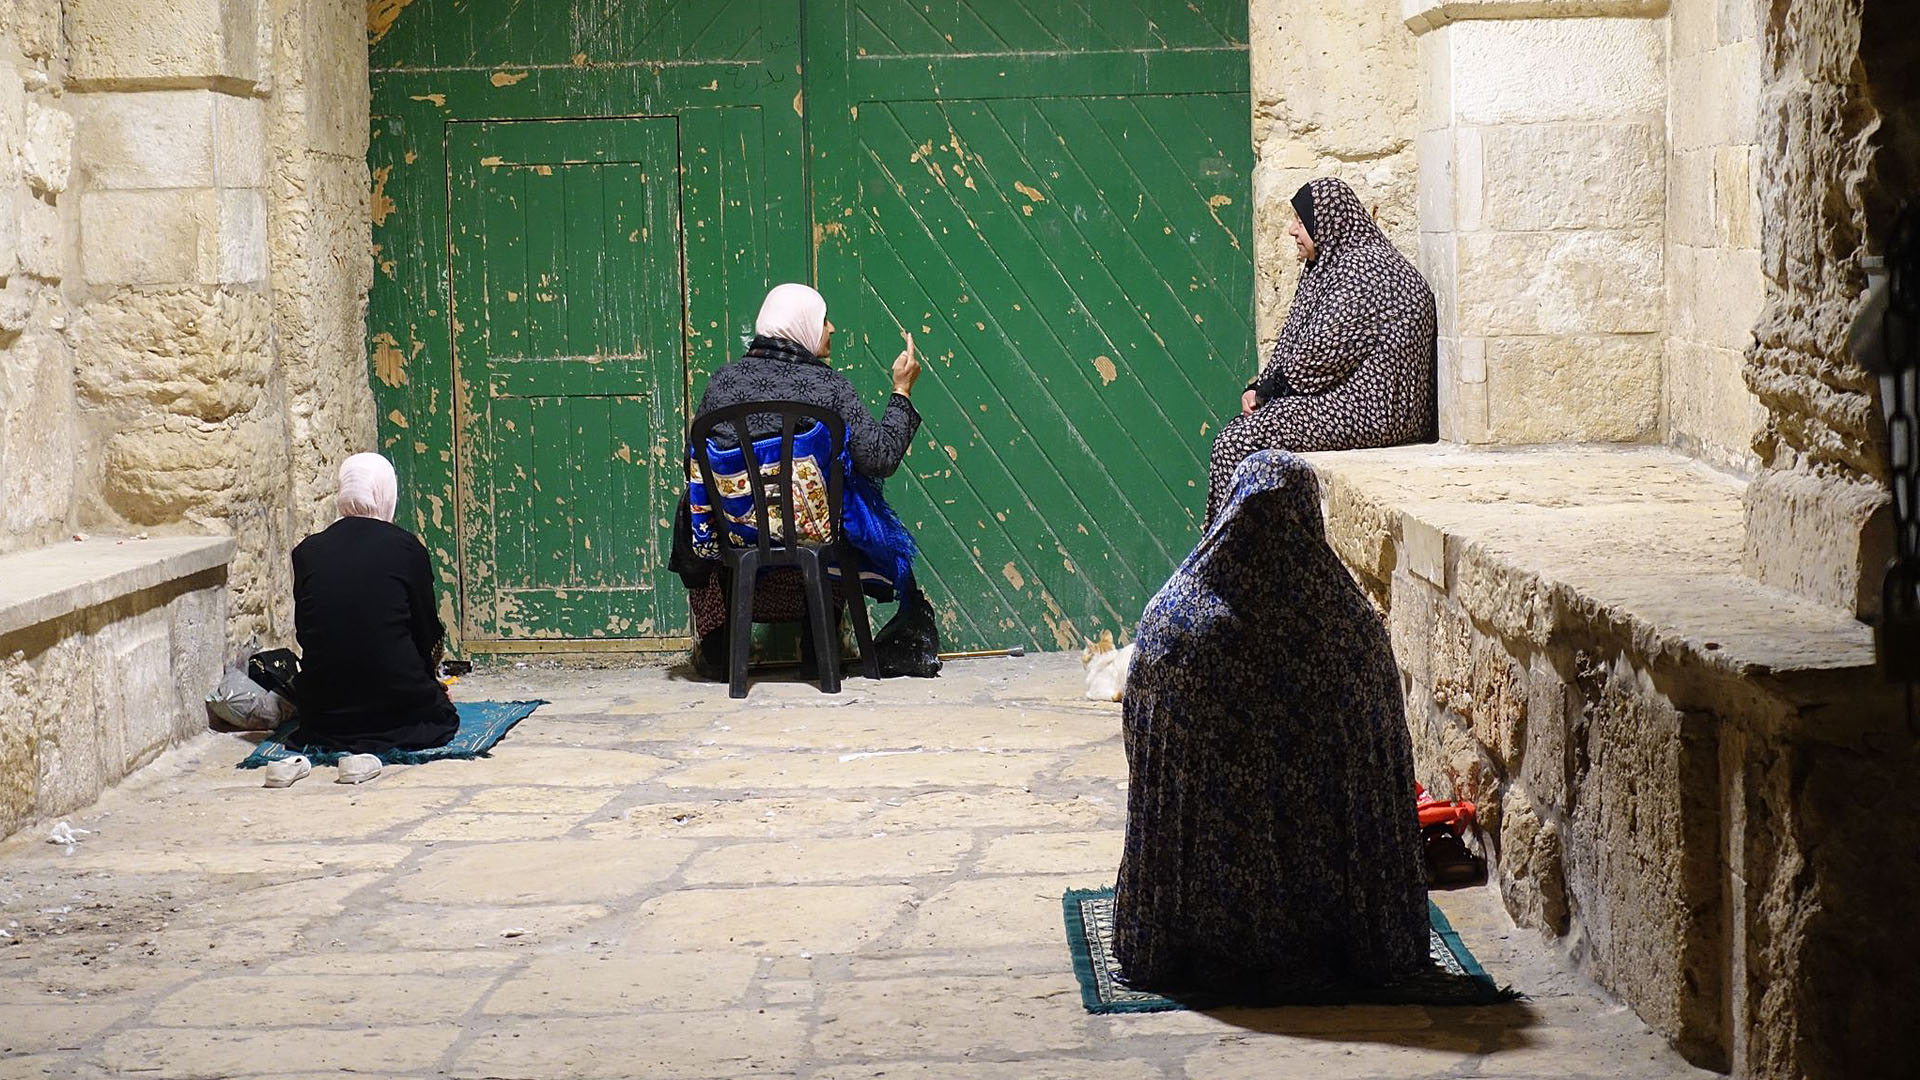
236	700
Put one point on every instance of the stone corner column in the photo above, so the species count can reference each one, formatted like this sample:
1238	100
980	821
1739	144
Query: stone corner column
1541	202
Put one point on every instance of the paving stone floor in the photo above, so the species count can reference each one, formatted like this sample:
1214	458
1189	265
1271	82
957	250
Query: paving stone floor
650	880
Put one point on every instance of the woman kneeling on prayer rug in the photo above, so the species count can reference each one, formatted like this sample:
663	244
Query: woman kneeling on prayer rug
787	361
369	631
1271	841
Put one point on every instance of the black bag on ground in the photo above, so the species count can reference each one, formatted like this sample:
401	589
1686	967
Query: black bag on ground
274	669
910	642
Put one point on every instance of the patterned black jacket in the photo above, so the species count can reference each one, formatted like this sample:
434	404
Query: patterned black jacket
775	369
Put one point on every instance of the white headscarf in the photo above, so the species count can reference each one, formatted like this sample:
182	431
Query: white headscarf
794	312
368	487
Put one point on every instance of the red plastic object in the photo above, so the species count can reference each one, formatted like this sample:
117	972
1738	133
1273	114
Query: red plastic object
1453	813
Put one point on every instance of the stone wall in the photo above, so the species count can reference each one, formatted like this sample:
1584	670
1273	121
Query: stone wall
1688	779
1542	154
39	435
1714	284
184	242
1331	88
1817	513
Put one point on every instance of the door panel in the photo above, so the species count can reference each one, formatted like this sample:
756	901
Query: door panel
569	373
1058	207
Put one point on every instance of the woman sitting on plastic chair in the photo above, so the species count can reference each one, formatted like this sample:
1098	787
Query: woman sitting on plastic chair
787	361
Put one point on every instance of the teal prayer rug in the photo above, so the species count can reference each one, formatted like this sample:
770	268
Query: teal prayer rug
1454	978
482	723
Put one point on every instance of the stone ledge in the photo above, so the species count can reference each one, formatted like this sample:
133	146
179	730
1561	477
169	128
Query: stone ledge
1421	16
48	583
1539	543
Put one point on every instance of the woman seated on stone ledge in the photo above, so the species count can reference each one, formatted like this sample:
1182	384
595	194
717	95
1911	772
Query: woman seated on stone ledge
369	632
1271	843
1354	366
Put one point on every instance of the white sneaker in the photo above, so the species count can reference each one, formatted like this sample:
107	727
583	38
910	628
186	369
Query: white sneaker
288	771
358	769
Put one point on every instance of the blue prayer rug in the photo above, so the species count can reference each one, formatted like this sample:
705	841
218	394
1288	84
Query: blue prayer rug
482	723
1454	977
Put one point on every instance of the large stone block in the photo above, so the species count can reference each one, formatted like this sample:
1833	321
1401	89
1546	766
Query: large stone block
1822	534
135	41
1551	707
1578	389
1691	216
203	356
149	237
1463	401
1715	294
44	244
1572	282
37	436
155	139
1716	97
46	156
1529	70
61	700
1643	861
1561	176
136	695
243	236
240	149
1532	867
1710	412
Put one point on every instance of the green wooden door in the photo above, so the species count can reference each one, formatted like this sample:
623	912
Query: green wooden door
568	373
1057	204
1052	195
577	211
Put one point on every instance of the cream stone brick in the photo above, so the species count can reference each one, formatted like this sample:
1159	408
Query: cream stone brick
1004	911
1435	192
1736	204
1410	618
220	1053
1551	707
10	201
1557	176
1692	218
1710	412
134	687
993	1015
147	237
1581	389
1463	405
1529	70
1093	853
36	23
240	150
693	1045
189	353
43	240
624	981
243	236
47	153
1560	282
129	41
787	862
471	928
357	999
1739	20
1821	536
156	139
1716	97
52	1024
1717	295
542	872
770	921
1435	56
1438	262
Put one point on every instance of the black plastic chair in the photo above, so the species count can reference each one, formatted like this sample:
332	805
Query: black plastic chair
811	557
